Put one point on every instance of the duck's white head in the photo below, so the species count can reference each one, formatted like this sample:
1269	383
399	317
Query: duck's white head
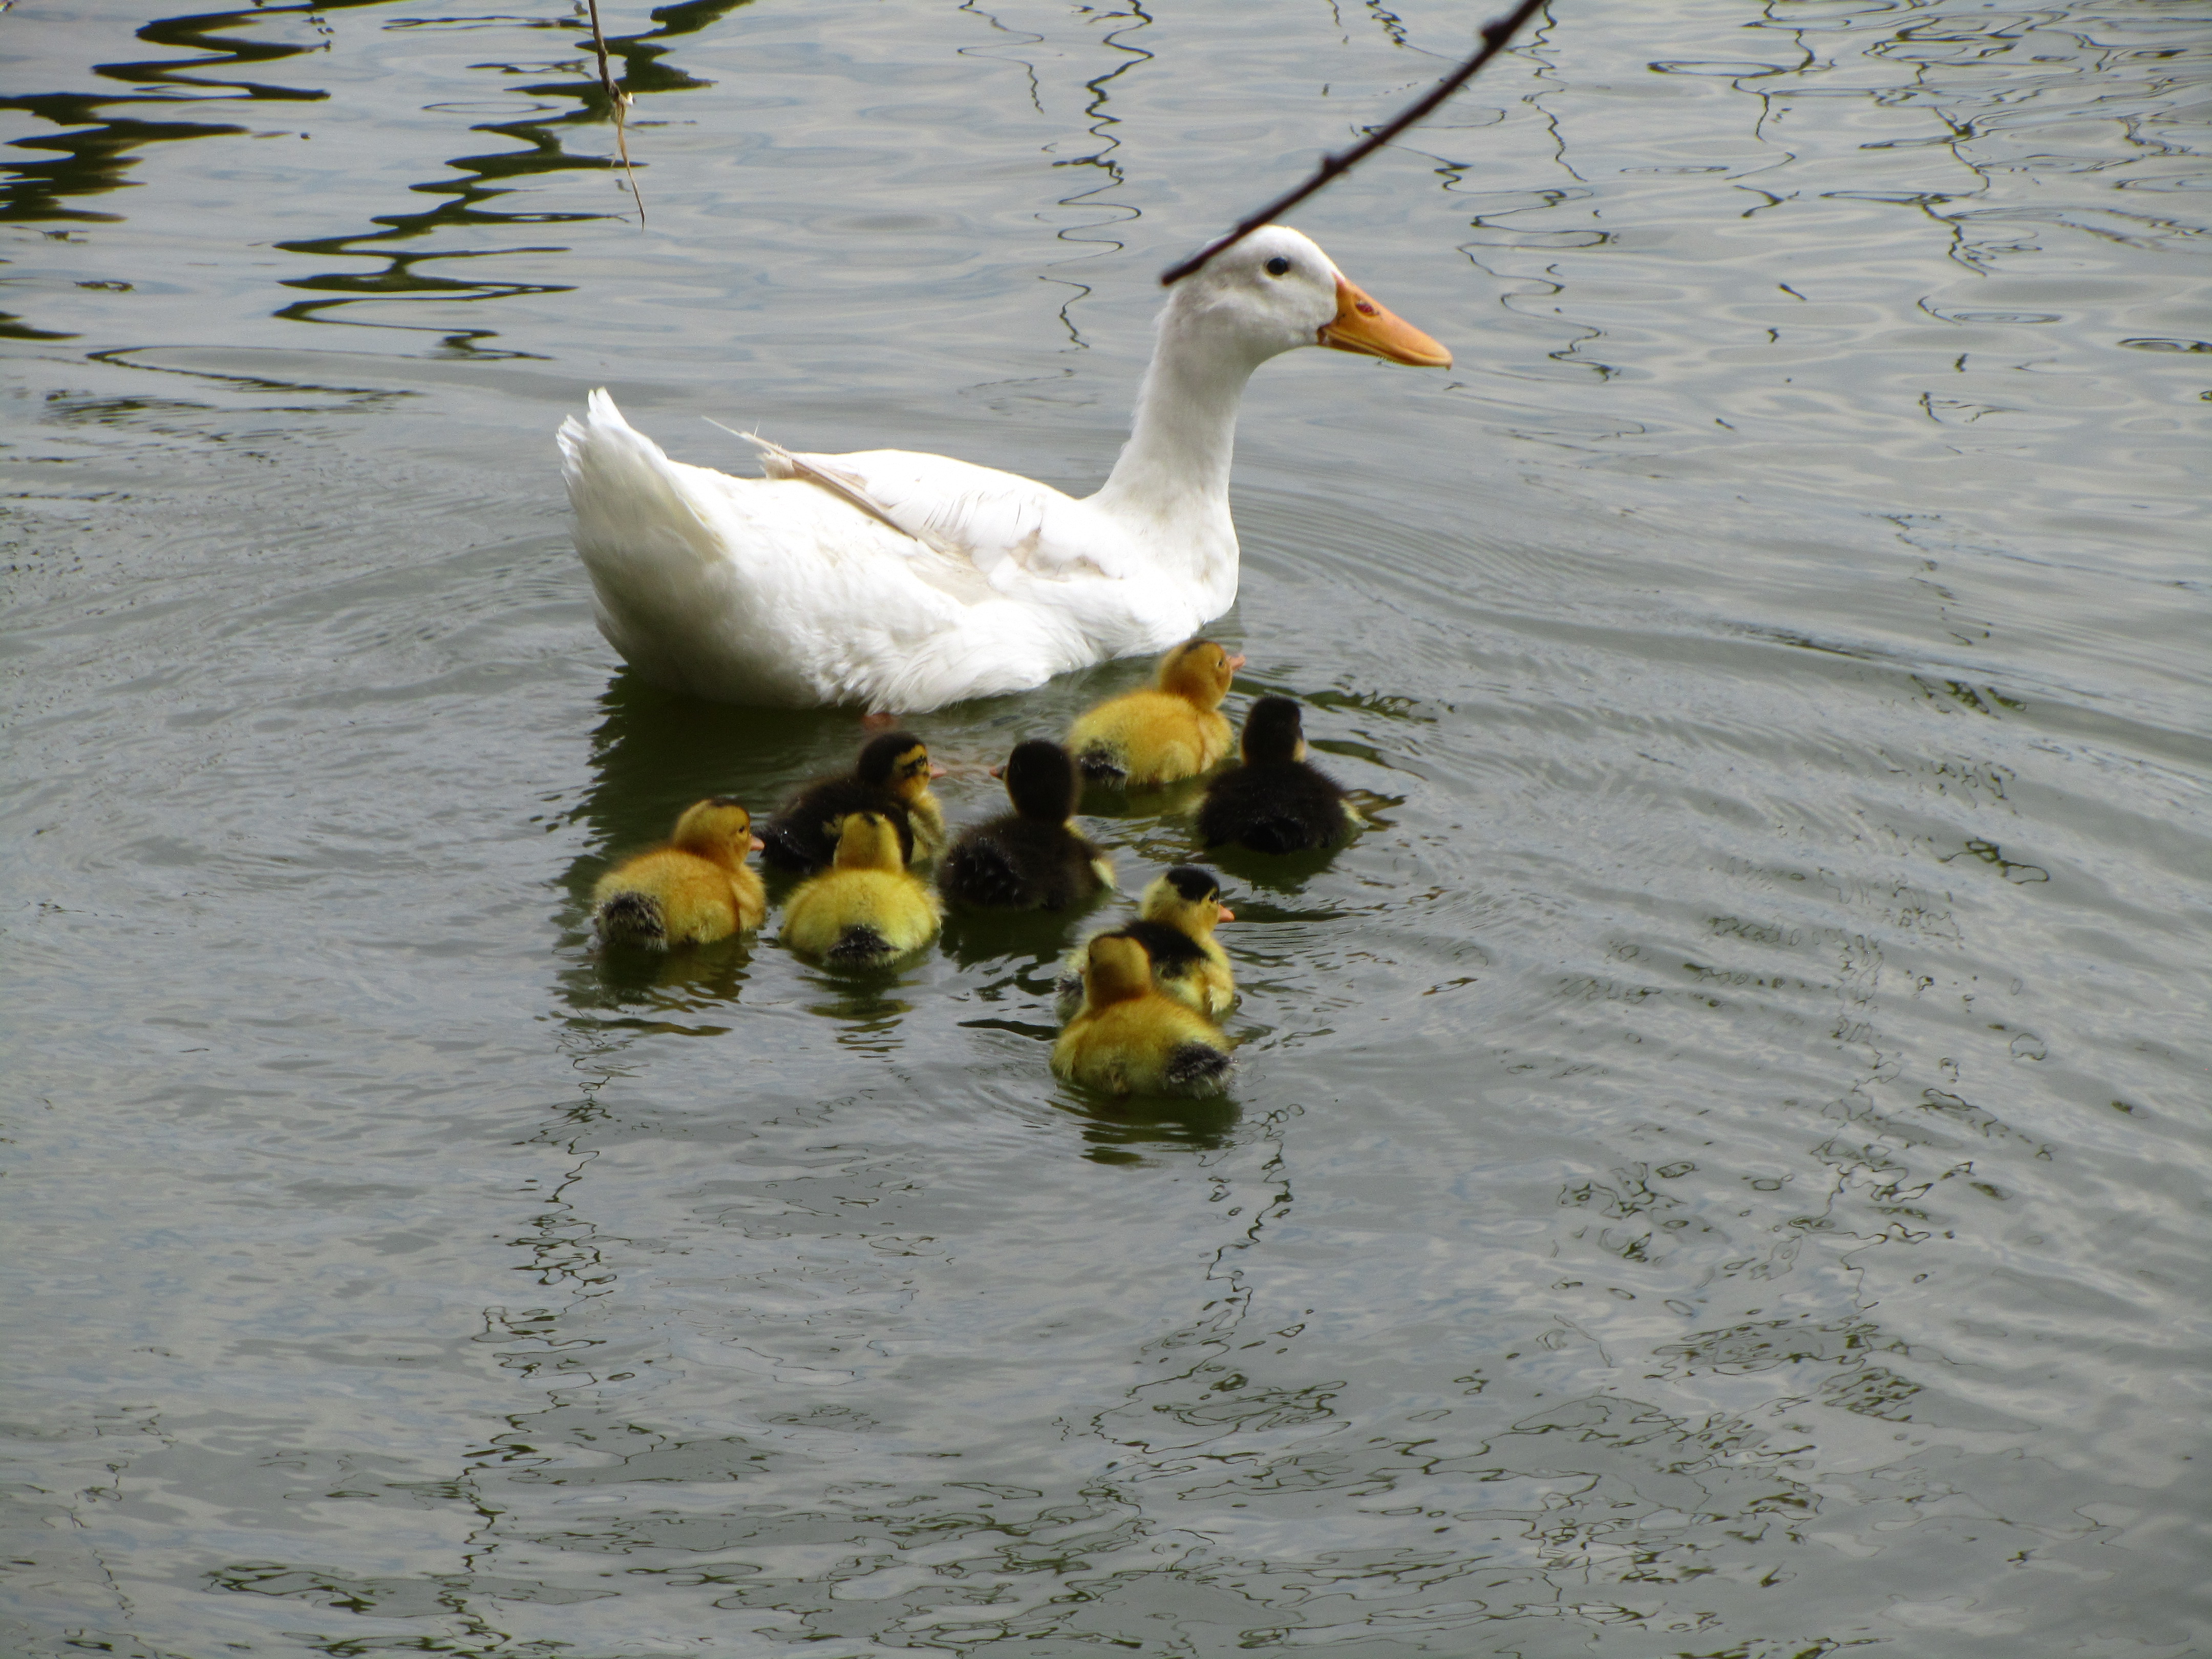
1276	290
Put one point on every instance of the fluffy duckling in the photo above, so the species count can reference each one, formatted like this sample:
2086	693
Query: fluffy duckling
867	909
1131	1039
1275	803
696	889
1032	859
1175	924
891	777
1175	730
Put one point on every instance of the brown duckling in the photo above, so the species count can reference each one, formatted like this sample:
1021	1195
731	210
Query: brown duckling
1275	802
891	777
1175	923
867	909
1032	859
695	889
1129	1038
1174	730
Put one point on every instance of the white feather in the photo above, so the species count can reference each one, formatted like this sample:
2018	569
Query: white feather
904	581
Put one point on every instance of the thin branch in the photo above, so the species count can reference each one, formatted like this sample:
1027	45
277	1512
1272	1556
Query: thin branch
1495	34
621	101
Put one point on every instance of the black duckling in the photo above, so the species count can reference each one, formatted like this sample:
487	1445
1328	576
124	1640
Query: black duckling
867	909
1175	923
891	777
1032	859
1129	1038
1275	802
694	889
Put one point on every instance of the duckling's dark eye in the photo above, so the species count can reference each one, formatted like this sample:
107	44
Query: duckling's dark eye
1279	266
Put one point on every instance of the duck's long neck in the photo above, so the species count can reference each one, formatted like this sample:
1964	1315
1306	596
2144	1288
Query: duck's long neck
1174	471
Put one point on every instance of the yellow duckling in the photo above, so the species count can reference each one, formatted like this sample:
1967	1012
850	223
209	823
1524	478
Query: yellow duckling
867	909
1131	1039
1175	730
892	777
696	889
1175	923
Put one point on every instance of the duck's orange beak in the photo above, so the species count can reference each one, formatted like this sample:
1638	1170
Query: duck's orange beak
1227	915
1236	661
758	846
935	771
1362	326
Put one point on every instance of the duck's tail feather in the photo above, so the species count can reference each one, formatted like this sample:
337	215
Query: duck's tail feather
1100	763
631	918
1194	1064
980	873
859	946
1278	834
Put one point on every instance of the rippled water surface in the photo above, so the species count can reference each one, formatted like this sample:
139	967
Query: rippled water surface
1720	1171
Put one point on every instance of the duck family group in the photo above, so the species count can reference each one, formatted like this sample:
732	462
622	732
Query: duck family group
1141	1000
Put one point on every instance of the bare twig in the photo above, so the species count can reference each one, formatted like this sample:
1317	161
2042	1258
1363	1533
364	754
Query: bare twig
1495	34
621	101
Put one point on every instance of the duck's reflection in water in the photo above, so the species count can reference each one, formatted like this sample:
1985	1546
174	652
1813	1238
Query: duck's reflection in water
655	752
659	990
1121	1129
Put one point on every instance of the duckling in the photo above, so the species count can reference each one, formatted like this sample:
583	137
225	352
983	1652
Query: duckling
1175	924
1032	859
1128	1038
1275	803
891	778
867	909
1175	730
696	889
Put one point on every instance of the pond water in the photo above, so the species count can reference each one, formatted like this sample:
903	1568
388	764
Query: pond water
1718	1170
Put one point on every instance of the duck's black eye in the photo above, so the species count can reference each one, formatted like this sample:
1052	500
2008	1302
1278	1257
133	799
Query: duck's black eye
1279	266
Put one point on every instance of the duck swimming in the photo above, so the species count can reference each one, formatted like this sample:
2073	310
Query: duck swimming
865	910
1275	802
1174	729
1175	923
1130	1039
896	581
892	777
1032	859
694	890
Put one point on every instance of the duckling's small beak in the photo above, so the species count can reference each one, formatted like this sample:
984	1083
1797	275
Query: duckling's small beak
758	846
1236	661
935	771
1227	915
998	771
1362	326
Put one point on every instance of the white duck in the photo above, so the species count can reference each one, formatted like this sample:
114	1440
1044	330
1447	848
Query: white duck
904	581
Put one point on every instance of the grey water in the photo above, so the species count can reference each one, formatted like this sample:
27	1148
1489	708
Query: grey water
1718	1169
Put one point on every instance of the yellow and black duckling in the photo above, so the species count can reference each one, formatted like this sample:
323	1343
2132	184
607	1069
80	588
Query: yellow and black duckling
1129	1037
867	909
1174	730
1175	923
891	778
1032	859
696	889
1275	802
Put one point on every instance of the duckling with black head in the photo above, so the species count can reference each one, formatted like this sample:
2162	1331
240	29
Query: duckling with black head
1175	919
892	778
867	909
1173	729
692	890
1275	802
1130	1038
1031	858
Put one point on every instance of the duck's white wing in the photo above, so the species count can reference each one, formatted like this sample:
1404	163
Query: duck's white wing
1006	527
776	592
